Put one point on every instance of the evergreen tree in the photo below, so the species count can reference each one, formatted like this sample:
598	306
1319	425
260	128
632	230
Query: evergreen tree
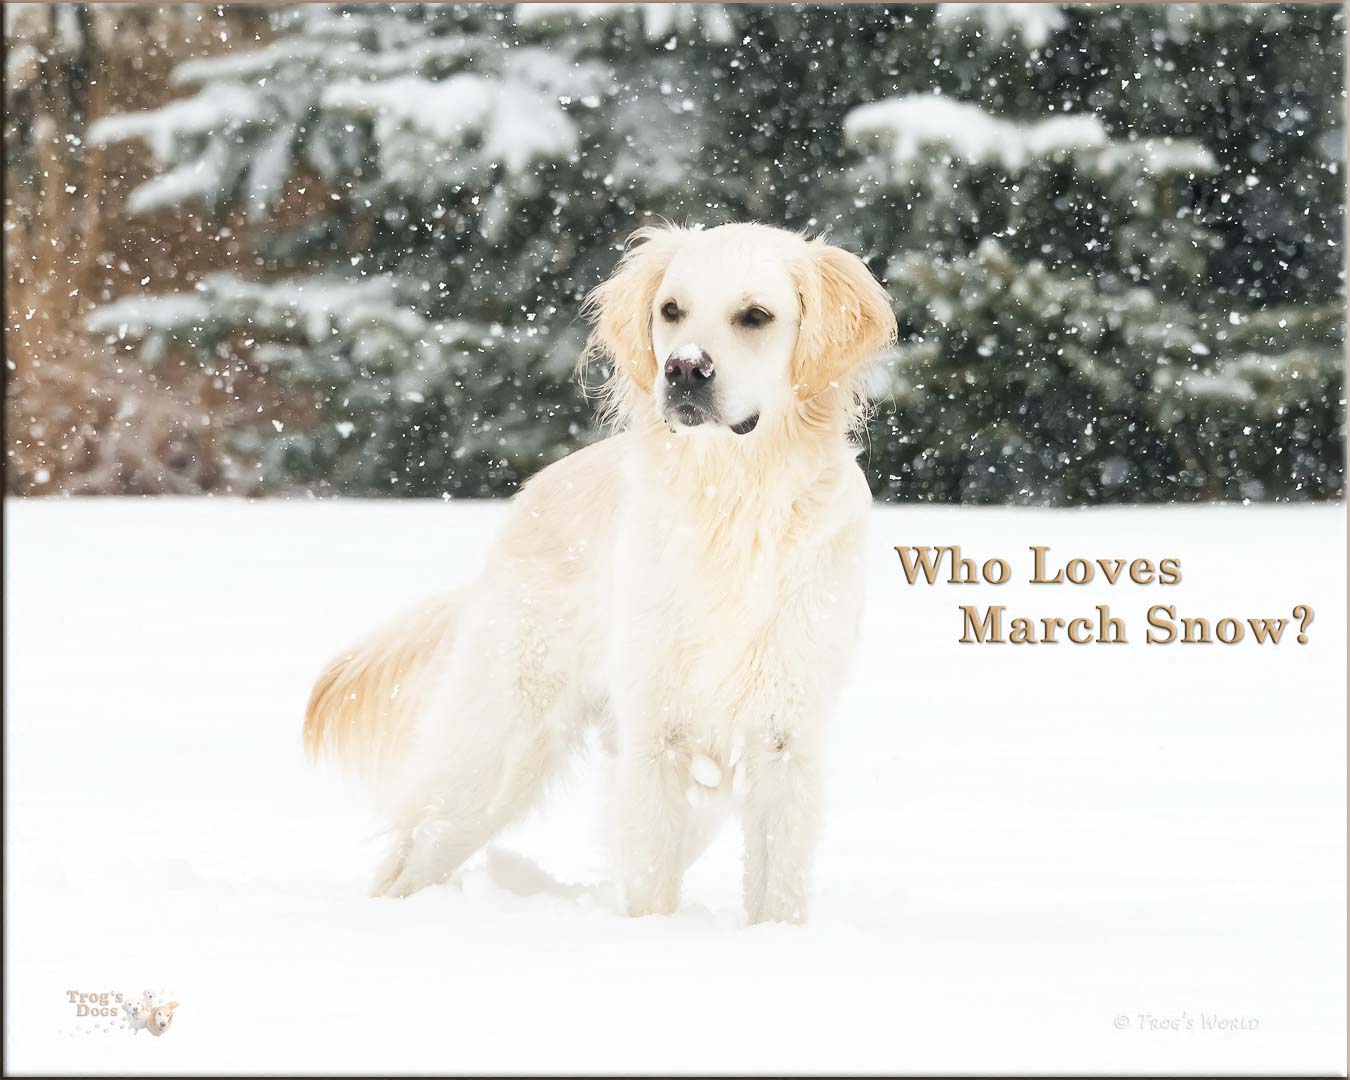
1114	245
1112	234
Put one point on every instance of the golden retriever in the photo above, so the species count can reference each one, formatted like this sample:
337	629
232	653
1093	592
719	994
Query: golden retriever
691	585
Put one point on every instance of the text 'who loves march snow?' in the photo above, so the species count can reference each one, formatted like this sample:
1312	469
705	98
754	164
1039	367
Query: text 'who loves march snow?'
990	625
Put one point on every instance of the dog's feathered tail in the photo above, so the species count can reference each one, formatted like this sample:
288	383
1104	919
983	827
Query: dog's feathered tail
363	706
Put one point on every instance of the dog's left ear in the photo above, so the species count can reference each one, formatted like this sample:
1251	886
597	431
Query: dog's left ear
846	319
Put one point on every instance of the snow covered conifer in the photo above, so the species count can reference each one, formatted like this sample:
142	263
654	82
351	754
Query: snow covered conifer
427	355
1111	233
1103	294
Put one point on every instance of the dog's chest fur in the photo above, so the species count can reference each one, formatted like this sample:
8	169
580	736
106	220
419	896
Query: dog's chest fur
719	561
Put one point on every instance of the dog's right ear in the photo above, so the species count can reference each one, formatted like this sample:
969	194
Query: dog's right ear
621	308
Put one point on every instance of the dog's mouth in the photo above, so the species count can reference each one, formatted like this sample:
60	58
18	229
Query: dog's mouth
689	409
693	413
687	414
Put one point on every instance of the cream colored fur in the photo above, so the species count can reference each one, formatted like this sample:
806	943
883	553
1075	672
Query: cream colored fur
161	1016
364	704
691	591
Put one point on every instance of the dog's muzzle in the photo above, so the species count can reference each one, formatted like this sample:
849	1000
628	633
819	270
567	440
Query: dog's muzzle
689	375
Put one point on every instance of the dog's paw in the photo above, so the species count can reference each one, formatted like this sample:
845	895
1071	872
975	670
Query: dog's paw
406	871
644	910
401	885
787	913
643	899
390	870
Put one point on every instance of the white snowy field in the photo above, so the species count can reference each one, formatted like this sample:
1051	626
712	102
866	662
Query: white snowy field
1036	858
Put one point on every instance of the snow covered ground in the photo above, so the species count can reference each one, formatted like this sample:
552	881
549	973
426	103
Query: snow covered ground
1035	856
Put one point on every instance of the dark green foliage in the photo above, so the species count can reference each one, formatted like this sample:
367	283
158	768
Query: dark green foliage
1145	307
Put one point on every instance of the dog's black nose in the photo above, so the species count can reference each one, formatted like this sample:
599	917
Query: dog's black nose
689	368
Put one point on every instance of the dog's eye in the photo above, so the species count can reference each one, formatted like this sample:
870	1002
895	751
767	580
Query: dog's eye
670	311
753	317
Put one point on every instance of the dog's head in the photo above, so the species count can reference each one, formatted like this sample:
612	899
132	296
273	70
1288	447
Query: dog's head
720	329
160	1018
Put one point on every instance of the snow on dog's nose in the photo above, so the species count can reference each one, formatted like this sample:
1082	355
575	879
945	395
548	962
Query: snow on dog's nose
689	367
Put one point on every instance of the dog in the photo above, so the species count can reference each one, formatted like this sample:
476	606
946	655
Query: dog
146	1015
691	585
160	1018
138	1013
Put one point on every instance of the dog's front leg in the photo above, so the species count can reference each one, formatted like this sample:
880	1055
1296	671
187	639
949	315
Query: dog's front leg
651	816
781	819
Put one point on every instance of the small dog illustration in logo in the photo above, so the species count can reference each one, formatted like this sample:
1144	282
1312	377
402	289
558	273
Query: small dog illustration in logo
149	1015
161	1016
138	1012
